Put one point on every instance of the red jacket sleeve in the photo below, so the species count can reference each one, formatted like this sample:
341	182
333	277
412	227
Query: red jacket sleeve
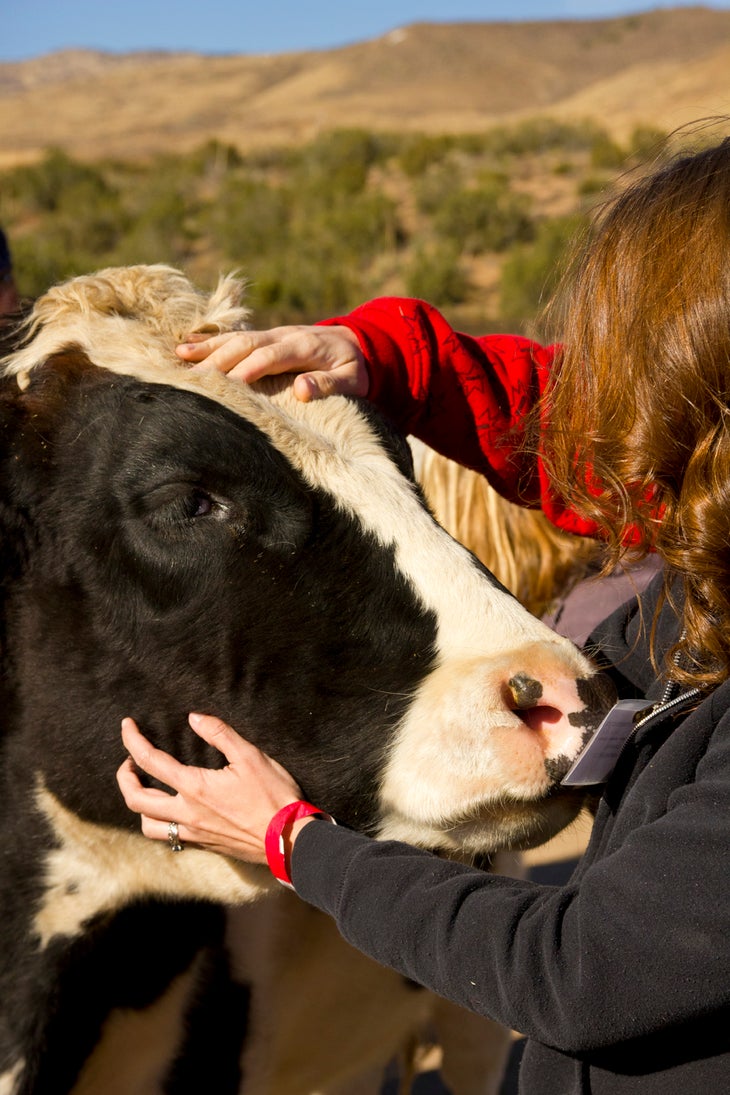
468	398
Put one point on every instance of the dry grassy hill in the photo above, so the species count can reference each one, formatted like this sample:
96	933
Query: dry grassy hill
663	68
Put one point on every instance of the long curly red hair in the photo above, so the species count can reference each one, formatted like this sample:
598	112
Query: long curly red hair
639	407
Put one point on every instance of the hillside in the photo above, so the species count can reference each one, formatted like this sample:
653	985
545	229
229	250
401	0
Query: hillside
663	68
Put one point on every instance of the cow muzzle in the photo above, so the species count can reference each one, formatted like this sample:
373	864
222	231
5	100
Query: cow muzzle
489	740
563	712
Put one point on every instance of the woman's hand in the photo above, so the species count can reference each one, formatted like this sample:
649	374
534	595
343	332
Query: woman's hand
222	810
329	359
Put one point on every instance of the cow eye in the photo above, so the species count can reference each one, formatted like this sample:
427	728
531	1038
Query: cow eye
179	504
199	504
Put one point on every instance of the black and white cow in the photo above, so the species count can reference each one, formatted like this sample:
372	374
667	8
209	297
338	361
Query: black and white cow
175	541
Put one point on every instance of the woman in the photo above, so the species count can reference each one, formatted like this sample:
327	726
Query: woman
620	979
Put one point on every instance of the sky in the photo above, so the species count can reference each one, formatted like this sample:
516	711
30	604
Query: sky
30	28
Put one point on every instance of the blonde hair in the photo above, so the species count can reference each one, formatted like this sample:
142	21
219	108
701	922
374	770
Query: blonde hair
530	556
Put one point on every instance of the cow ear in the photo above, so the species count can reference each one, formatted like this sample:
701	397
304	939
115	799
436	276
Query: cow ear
34	400
31	407
17	492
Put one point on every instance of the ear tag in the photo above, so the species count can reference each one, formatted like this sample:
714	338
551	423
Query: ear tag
598	759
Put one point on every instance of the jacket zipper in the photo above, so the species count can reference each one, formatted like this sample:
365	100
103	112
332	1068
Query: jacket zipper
664	705
655	711
668	699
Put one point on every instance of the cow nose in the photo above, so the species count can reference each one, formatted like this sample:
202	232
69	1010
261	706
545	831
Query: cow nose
562	702
525	691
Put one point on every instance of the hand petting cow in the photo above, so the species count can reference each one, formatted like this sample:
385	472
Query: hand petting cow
176	541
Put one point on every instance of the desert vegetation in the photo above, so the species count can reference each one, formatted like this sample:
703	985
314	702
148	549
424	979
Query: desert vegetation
478	224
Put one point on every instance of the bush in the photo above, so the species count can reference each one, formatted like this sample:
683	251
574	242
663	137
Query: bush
489	217
42	261
591	185
536	135
436	275
159	232
338	163
250	218
214	158
315	227
606	154
92	216
531	274
300	286
647	143
43	187
352	231
422	152
434	188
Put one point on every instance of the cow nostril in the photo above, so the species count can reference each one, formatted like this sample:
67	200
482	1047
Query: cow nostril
526	692
540	717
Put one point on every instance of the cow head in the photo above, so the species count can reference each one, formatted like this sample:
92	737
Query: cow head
177	541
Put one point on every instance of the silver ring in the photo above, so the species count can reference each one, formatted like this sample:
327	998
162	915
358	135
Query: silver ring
176	845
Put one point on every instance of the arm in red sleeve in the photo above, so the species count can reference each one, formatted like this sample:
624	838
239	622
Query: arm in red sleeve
468	398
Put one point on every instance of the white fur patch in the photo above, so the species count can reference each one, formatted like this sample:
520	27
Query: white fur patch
9	1080
97	869
136	1046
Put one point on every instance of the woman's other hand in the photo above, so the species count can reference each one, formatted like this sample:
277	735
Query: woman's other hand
328	359
223	810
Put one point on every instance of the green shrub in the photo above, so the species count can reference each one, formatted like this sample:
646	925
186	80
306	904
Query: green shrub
591	185
537	135
159	231
318	227
647	143
41	261
531	273
606	154
436	275
436	185
489	217
92	215
42	187
214	158
352	230
338	163
297	286
421	153
249	218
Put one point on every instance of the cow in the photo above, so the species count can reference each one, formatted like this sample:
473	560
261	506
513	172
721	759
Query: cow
172	541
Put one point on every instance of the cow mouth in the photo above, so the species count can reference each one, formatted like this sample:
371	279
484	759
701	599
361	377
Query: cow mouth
513	823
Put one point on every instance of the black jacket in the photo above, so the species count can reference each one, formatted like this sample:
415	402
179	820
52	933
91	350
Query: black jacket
621	978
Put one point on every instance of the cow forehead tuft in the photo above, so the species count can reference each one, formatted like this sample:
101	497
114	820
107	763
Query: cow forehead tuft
144	310
129	320
331	442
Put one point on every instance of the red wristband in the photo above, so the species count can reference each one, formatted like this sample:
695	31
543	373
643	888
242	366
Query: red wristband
274	840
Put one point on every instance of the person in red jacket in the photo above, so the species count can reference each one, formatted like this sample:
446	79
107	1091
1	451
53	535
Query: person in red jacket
621	978
468	398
